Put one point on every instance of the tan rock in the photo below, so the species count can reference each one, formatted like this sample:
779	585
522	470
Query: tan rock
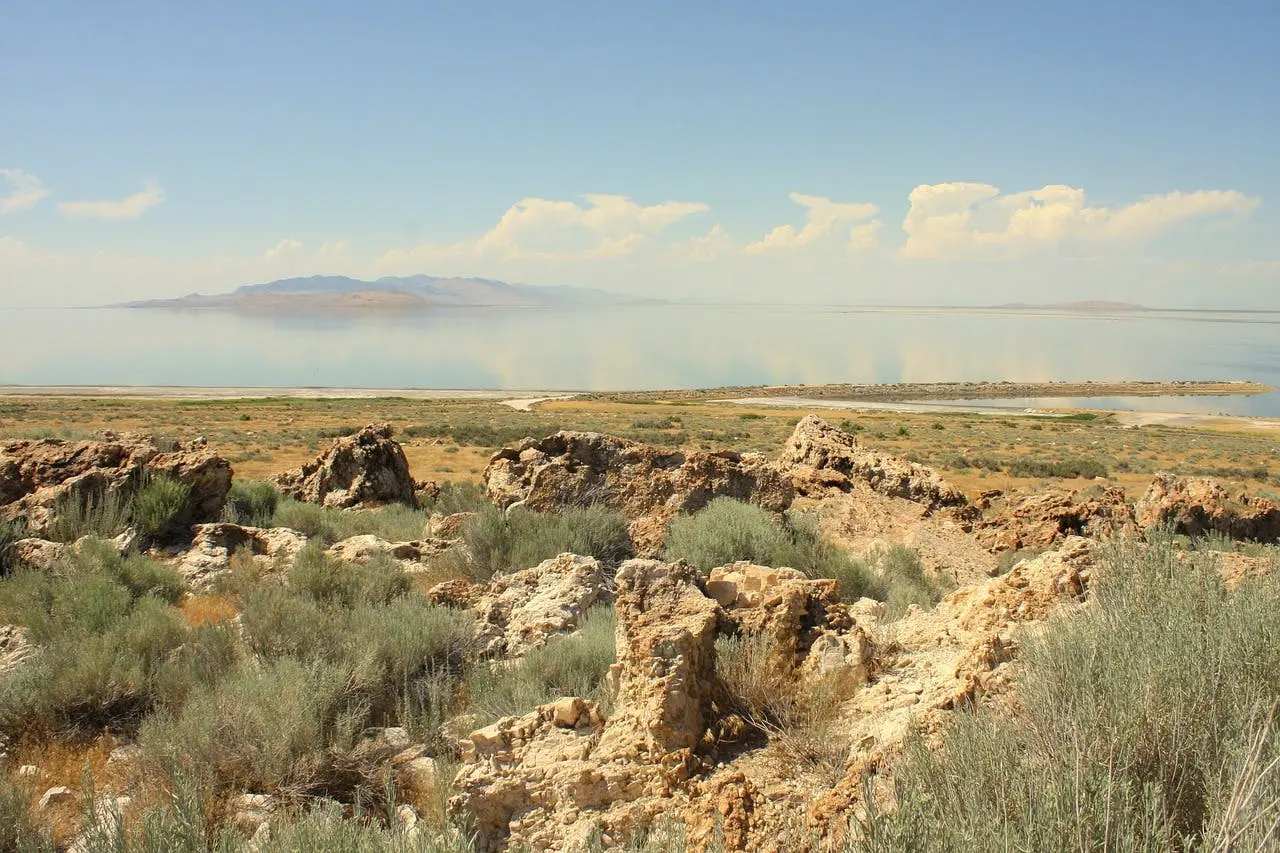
413	556
1040	520
522	610
648	485
36	476
15	647
212	546
367	468
59	796
1197	506
820	458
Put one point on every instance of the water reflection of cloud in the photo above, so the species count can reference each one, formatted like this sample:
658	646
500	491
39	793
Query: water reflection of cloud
633	347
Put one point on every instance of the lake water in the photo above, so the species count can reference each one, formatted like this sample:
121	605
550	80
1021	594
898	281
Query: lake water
658	346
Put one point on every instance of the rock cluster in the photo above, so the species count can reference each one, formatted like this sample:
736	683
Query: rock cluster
366	468
213	545
413	556
820	458
522	610
1040	520
37	477
1195	506
648	485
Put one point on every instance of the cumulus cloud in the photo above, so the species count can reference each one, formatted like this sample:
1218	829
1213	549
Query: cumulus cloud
542	229
27	190
286	247
824	219
130	207
972	220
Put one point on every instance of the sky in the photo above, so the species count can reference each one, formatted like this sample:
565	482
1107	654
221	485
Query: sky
806	152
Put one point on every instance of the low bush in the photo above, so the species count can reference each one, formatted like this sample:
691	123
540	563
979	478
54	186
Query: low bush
393	522
727	530
19	833
333	582
906	581
1066	468
251	503
494	542
1149	723
10	533
161	507
570	665
99	513
457	497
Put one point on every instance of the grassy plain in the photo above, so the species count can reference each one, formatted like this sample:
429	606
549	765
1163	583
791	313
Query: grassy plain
451	440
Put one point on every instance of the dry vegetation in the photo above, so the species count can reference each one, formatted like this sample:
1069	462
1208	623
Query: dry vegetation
271	682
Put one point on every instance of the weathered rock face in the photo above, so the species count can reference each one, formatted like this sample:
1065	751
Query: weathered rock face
213	544
1196	506
35	476
561	772
522	610
414	556
820	458
1040	520
14	647
44	555
648	485
366	468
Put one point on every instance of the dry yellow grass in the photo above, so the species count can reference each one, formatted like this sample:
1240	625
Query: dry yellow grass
201	610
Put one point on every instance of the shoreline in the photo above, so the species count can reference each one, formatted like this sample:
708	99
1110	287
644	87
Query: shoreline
855	393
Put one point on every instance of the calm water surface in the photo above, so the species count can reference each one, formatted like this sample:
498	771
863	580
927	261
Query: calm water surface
639	347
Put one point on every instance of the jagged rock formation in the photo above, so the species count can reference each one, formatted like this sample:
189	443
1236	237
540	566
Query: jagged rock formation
820	458
1040	520
648	485
522	610
366	468
1195	506
213	545
414	556
36	477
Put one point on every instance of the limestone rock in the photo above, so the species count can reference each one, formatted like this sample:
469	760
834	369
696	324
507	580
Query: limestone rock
250	812
520	611
449	526
820	458
562	771
212	546
648	485
414	556
1040	520
61	795
14	647
1195	506
36	476
367	468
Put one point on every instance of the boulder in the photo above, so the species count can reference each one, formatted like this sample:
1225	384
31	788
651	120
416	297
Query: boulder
647	484
820	459
413	556
367	468
15	647
1041	520
522	610
58	796
213	545
36	477
540	779
1195	506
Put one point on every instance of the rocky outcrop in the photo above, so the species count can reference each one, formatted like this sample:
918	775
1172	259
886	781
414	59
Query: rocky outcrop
1039	521
414	556
562	772
820	458
648	485
37	477
1195	506
522	610
213	545
367	468
45	555
14	647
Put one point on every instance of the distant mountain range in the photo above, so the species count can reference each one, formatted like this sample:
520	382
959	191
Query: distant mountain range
335	293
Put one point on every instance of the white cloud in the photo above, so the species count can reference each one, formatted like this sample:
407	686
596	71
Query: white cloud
971	220
825	219
26	194
283	249
712	246
544	230
130	207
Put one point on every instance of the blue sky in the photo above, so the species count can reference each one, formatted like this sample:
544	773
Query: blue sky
919	152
